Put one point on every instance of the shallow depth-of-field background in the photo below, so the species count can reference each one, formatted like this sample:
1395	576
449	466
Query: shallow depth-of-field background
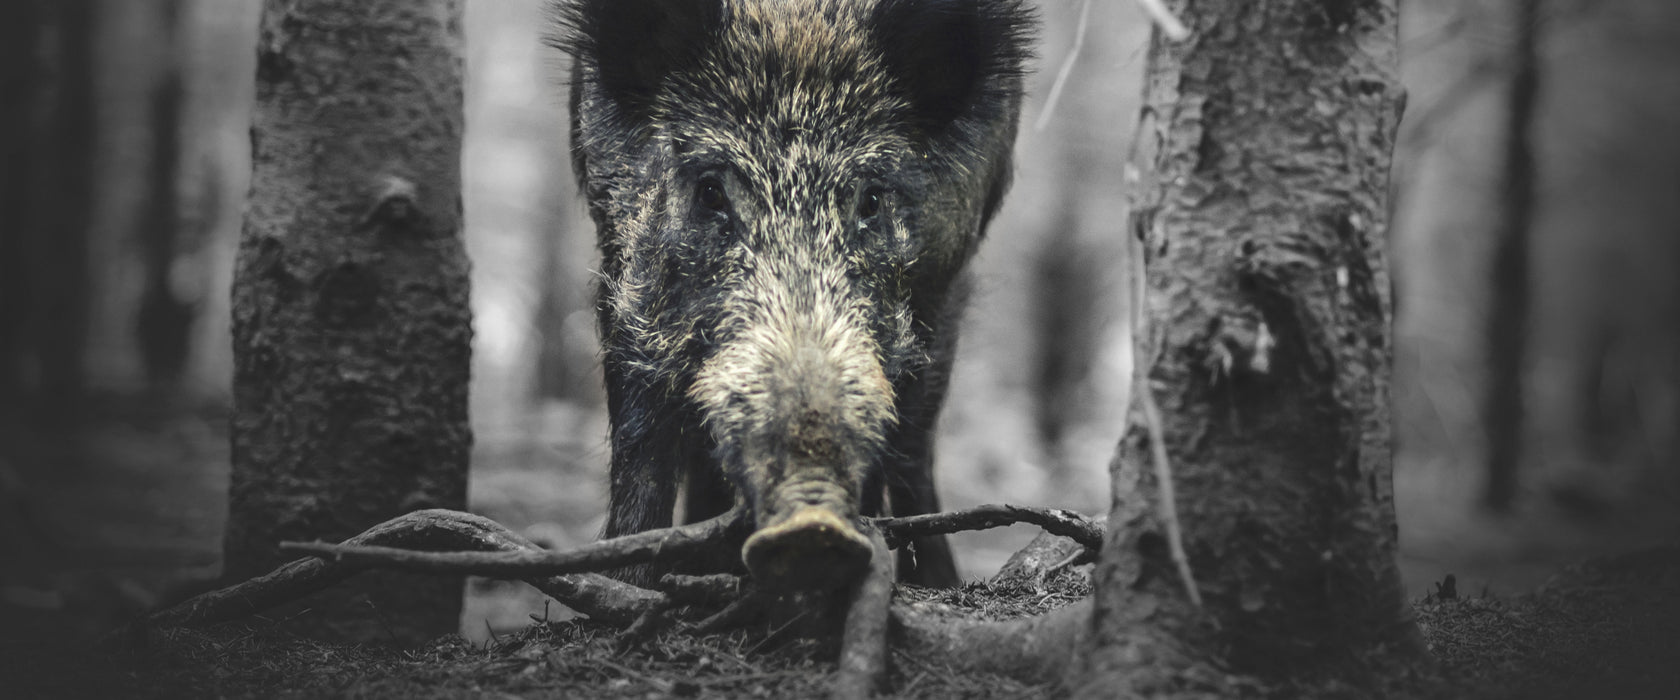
108	521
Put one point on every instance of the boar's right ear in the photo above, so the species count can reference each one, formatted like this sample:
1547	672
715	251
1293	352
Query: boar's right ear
951	58
629	47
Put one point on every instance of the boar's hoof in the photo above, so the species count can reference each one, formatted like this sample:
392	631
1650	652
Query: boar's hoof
811	549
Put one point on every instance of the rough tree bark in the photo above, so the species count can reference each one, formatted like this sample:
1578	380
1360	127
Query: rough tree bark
352	332
1508	309
1266	140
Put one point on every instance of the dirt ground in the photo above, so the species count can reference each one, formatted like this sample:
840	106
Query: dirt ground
130	516
1607	629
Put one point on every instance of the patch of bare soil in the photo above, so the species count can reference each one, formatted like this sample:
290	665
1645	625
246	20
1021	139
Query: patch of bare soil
1609	628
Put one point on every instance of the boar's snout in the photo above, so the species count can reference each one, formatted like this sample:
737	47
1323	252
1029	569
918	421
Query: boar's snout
798	404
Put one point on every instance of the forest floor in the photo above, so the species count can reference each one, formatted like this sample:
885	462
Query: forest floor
134	508
1607	629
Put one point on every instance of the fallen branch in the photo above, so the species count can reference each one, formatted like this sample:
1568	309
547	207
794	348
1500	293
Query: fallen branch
593	595
677	543
1027	648
863	649
1066	523
641	548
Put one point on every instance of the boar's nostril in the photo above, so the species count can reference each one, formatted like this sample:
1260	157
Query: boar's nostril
810	549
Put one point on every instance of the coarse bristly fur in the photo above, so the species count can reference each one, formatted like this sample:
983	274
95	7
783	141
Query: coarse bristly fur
785	194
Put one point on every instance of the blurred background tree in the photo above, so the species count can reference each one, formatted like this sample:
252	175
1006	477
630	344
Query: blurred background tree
134	497
1509	305
51	76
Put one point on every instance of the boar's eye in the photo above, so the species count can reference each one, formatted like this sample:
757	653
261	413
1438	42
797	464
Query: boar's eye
869	204
709	194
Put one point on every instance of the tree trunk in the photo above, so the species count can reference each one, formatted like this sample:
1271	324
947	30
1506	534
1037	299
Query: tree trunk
1264	339
46	197
164	323
21	25
563	370
352	333
52	232
1507	324
1067	314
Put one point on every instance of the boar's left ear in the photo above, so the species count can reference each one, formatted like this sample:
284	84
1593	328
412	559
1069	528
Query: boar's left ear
952	56
632	46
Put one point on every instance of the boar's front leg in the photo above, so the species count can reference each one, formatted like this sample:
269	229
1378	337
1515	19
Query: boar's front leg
909	474
651	450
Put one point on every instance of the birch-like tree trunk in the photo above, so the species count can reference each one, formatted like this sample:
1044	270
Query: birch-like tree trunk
352	333
1508	312
163	327
1264	339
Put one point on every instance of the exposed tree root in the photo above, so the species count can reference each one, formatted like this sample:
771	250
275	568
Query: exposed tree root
1031	649
591	594
641	548
1056	521
738	613
671	543
647	625
1045	555
710	590
863	649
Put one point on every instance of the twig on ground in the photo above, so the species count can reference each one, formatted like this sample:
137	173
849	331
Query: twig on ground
593	595
863	649
674	543
1066	523
640	548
